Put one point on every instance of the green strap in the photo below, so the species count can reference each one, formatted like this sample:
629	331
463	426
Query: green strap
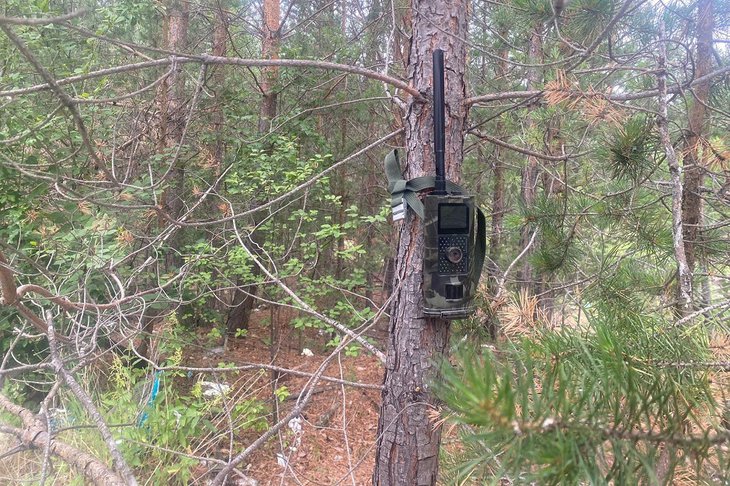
405	193
480	249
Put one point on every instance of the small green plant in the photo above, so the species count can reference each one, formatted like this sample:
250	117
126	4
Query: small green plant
352	350
214	335
281	393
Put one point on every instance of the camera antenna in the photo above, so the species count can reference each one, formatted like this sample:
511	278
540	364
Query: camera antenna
439	124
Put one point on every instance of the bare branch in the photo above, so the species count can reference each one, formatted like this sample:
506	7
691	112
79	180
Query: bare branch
653	93
218	60
278	369
43	20
120	464
35	436
67	101
301	404
521	150
662	122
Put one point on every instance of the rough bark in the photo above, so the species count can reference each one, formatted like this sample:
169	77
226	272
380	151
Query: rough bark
35	436
684	294
171	104
693	170
172	109
220	41
270	75
408	444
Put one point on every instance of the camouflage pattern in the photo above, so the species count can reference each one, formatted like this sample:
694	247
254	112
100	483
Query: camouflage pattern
444	281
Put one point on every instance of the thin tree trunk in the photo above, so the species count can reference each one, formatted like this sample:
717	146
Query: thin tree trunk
171	102
243	301
220	41
172	114
552	187
498	207
693	171
408	445
270	75
530	173
684	300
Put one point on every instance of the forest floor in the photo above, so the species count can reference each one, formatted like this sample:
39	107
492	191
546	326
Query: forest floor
336	444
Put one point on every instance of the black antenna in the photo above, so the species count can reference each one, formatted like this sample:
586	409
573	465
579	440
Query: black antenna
439	123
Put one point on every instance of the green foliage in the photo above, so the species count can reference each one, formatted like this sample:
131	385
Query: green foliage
273	169
282	393
557	230
630	149
555	408
176	421
569	408
585	19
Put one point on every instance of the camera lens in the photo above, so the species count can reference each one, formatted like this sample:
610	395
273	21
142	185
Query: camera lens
454	254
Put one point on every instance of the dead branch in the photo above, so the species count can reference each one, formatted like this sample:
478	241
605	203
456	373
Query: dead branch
662	122
119	463
278	369
34	435
652	93
43	20
217	60
301	404
7	282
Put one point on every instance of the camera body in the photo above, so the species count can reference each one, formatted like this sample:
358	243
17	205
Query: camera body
450	276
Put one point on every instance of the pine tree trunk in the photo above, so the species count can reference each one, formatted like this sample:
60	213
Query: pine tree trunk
693	170
270	75
552	187
172	109
171	103
243	302
220	41
498	207
408	445
528	185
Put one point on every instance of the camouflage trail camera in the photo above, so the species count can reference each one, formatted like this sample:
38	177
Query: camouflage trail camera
452	261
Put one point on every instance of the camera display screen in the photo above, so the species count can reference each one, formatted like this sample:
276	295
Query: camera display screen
453	218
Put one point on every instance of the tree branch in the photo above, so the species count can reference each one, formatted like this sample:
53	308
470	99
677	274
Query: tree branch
119	463
43	20
34	435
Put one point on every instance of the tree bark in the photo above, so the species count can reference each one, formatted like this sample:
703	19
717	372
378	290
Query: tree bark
171	103
172	110
220	41
270	75
693	170
684	291
408	444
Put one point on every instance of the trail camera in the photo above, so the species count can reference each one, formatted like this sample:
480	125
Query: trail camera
454	230
451	264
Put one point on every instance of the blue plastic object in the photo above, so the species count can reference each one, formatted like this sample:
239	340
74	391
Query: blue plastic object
153	396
